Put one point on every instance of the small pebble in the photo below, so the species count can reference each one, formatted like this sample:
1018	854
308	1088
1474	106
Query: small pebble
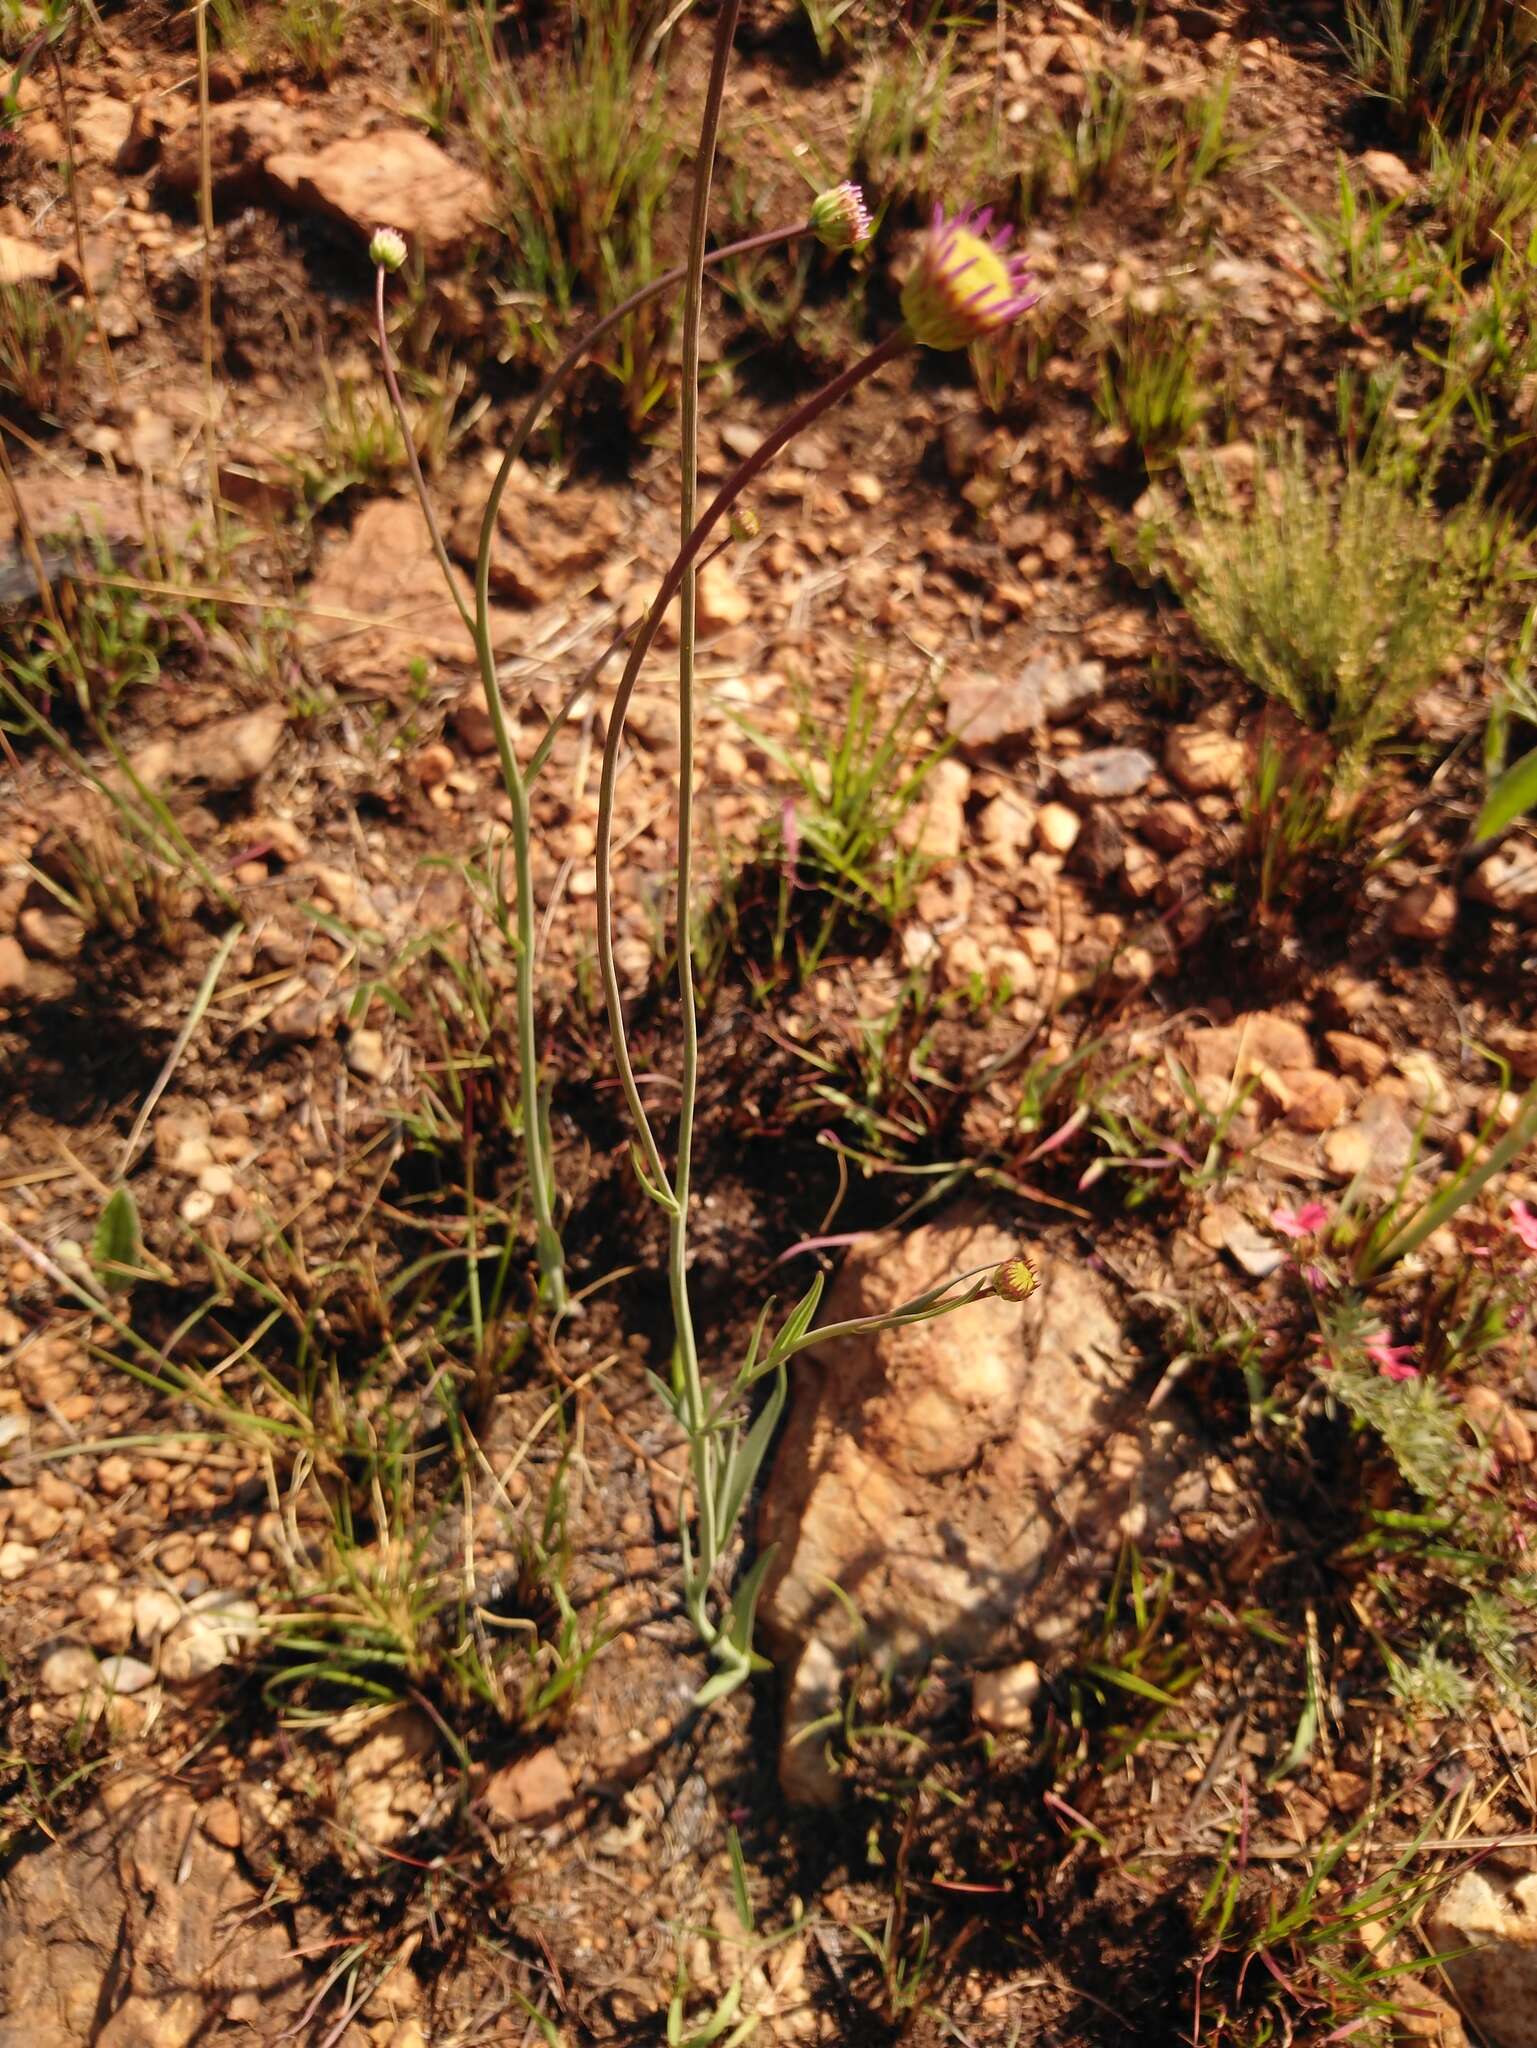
68	1669
126	1674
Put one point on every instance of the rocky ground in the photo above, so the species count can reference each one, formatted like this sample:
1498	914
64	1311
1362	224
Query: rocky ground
1151	1657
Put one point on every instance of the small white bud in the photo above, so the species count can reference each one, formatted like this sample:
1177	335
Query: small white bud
387	249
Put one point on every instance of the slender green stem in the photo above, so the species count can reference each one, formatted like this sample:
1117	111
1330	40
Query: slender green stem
541	1185
702	1444
1457	1192
413	461
532	412
795	423
516	784
923	1308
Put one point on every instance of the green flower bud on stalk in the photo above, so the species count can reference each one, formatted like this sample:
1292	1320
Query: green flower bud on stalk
387	249
1014	1280
840	218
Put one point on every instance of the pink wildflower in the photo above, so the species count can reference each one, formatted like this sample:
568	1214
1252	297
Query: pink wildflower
964	284
1391	1360
1523	1221
1304	1222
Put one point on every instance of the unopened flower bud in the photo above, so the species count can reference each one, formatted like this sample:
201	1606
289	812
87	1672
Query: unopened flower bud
1014	1280
745	523
387	249
840	218
963	285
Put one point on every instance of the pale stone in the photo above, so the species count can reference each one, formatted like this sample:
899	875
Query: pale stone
535	1790
1057	828
1426	914
1205	761
1485	1924
126	1675
395	175
69	1669
1004	1701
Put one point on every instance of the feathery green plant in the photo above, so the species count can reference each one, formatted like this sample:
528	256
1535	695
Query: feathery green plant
1343	595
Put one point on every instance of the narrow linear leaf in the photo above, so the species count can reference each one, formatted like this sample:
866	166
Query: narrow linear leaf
1513	795
117	1249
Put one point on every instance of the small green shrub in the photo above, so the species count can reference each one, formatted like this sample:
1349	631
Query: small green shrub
1341	594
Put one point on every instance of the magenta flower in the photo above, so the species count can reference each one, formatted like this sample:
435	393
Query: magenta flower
1304	1222
1391	1360
963	285
1523	1221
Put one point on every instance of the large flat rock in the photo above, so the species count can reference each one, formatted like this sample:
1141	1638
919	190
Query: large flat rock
395	178
140	1930
927	1473
378	603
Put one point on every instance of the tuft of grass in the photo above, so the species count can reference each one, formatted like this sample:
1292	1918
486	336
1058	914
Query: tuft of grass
110	880
1201	146
104	639
1450	64
1341	595
384	1600
875	1075
1321	1946
1512	785
1297	811
1151	390
1363	266
824	18
836	864
900	120
579	146
360	442
313	35
1092	143
1485	188
42	338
